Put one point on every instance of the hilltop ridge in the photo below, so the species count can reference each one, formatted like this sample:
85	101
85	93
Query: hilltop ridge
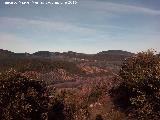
66	54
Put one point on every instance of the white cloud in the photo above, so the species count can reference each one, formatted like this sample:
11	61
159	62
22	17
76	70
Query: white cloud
43	25
120	8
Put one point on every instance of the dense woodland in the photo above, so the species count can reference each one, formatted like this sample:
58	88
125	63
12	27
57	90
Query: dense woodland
110	85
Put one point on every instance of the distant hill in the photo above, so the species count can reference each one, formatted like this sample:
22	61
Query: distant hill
111	55
43	54
6	53
116	52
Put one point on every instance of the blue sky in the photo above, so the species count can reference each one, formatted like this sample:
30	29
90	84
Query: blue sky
89	26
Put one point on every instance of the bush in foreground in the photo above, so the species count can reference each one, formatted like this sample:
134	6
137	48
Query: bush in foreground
139	93
22	98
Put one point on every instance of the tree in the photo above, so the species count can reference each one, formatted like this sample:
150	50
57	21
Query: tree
140	90
22	98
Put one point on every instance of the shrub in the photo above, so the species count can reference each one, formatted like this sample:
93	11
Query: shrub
57	111
95	93
139	93
22	98
99	117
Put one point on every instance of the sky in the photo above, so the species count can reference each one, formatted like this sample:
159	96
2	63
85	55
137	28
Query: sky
90	26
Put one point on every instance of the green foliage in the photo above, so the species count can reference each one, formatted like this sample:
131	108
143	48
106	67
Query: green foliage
21	98
140	89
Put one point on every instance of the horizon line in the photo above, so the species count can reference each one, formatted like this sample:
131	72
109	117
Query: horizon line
75	51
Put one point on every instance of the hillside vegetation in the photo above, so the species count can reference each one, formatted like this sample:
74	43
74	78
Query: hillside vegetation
139	93
36	64
40	86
